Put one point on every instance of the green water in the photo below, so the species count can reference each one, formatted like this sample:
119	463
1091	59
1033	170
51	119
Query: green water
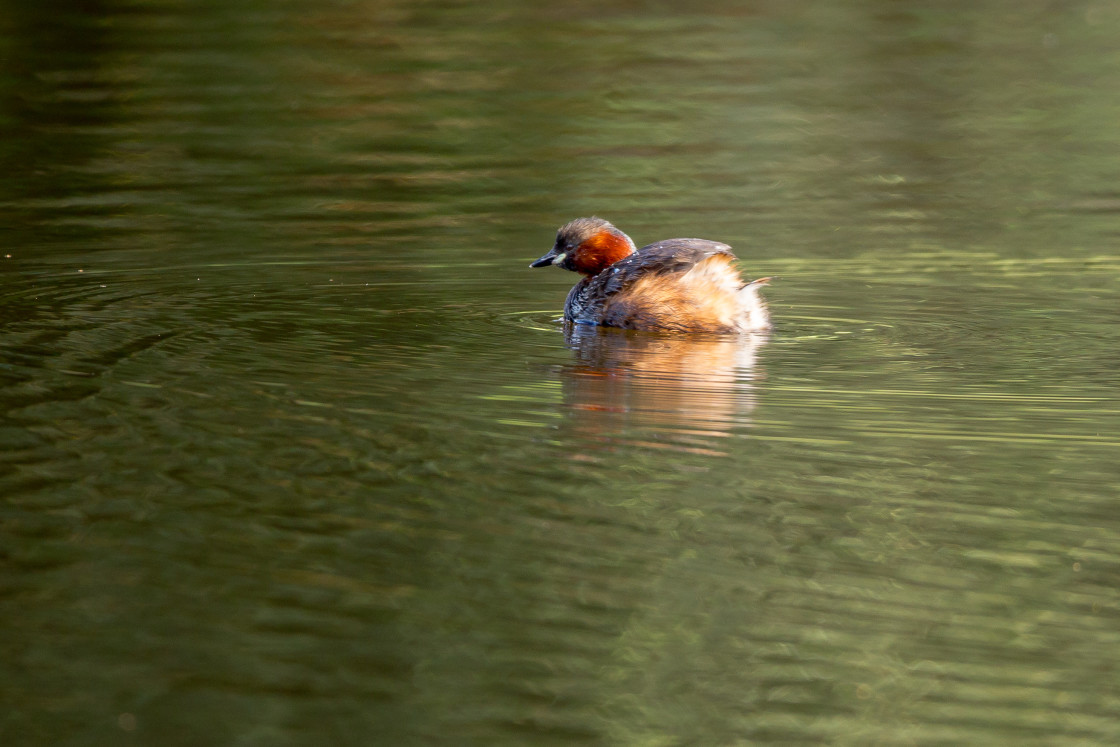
294	451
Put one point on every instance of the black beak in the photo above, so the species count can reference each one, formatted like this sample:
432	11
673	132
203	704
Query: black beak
546	260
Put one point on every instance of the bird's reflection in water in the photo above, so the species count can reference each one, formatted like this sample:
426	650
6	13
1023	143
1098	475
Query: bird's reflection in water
684	393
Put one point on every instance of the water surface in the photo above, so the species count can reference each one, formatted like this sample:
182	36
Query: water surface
295	449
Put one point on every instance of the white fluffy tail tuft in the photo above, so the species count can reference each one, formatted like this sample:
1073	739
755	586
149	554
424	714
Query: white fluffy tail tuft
756	317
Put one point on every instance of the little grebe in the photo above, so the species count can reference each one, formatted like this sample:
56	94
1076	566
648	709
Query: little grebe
676	285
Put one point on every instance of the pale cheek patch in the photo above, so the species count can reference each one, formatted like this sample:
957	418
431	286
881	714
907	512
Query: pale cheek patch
559	258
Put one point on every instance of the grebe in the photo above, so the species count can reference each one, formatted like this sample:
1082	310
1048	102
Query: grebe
676	285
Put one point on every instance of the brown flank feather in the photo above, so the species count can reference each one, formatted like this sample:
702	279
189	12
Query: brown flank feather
701	300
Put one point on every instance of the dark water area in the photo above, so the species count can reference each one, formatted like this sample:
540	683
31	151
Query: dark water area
294	449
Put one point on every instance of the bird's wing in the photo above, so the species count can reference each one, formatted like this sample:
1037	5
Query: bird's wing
662	258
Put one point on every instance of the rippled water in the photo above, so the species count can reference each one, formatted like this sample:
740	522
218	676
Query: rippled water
295	450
